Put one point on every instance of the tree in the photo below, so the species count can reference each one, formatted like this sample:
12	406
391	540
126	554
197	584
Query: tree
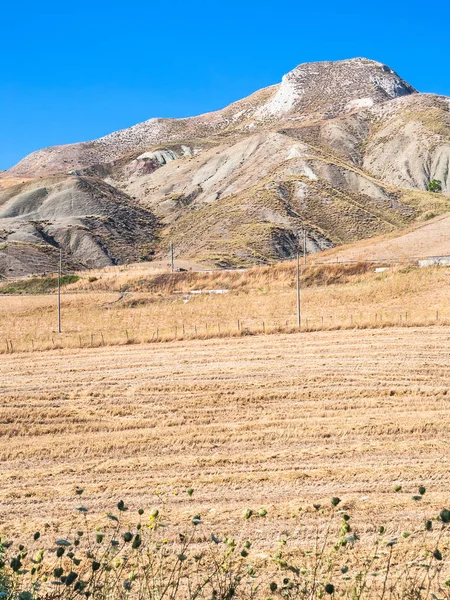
435	186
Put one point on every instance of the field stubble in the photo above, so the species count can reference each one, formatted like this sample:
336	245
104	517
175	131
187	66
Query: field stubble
278	422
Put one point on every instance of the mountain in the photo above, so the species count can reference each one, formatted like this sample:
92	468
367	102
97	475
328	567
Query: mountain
344	150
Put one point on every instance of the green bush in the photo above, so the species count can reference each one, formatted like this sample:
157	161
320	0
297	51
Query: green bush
435	186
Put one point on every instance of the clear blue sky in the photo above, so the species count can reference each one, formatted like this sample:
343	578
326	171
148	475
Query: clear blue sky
73	71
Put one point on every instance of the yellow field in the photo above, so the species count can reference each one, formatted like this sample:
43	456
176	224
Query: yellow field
277	421
119	307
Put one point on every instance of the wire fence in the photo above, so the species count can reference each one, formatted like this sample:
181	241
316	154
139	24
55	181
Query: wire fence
311	320
222	329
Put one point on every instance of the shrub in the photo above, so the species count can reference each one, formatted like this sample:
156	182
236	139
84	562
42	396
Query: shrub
435	186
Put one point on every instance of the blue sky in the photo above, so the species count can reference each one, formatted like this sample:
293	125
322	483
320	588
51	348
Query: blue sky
75	71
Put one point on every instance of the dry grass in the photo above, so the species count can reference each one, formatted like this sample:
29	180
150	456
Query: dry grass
426	238
154	307
7	182
274	421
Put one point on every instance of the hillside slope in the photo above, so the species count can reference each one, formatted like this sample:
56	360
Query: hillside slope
429	238
344	150
94	223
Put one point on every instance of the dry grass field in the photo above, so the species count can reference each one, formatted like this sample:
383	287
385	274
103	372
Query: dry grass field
263	421
138	305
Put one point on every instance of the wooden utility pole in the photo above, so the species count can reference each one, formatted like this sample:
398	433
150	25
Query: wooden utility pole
299	319
304	246
59	290
172	265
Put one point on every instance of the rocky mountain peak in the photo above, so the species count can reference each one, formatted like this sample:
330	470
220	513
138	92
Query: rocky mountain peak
332	88
343	150
311	91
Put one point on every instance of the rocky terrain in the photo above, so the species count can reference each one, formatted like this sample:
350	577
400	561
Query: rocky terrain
344	150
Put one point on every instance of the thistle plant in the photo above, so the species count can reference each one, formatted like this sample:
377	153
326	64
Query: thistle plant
130	556
143	554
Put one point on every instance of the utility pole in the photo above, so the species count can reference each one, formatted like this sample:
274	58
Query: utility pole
172	265
59	290
304	246
299	319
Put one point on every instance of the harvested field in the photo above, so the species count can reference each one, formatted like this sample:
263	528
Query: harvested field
266	421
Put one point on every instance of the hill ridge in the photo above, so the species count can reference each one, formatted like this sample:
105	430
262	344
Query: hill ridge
157	129
342	149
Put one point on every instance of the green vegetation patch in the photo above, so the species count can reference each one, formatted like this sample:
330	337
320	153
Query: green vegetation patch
37	285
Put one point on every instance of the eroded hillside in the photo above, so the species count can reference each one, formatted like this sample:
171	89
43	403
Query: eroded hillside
344	150
94	223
